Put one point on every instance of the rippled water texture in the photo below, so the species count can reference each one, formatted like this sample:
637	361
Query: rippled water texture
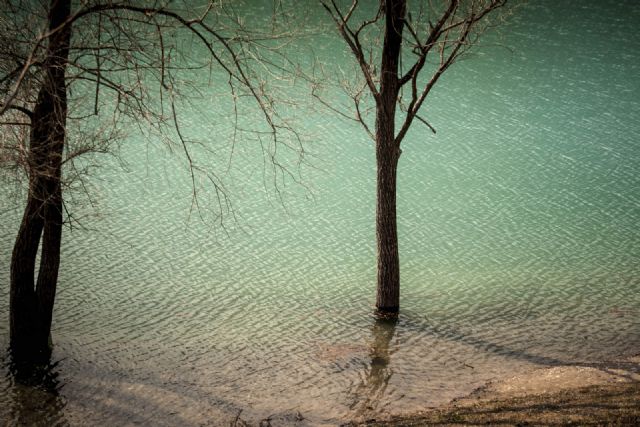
518	237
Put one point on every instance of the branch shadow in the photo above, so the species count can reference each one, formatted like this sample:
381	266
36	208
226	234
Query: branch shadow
618	368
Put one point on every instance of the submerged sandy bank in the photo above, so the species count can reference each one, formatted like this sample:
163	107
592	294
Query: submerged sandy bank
603	393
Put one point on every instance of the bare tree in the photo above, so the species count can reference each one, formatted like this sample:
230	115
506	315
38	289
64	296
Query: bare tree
430	37
119	59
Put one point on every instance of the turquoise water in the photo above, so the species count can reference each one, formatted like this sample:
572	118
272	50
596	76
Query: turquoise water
518	239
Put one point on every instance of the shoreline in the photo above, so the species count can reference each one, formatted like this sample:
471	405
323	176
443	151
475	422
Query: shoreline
601	393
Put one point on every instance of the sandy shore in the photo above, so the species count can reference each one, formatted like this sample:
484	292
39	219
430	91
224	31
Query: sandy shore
603	393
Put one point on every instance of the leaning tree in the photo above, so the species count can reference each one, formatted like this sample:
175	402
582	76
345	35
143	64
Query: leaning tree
401	50
100	58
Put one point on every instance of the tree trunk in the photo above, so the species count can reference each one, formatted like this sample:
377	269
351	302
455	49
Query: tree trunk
387	155
388	295
23	316
31	304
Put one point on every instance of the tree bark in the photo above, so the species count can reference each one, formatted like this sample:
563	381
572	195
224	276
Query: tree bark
388	295
387	155
31	304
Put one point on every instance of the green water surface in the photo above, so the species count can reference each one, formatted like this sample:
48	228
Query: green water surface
518	232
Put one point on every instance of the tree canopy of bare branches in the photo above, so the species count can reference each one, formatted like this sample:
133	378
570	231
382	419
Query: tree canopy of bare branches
68	65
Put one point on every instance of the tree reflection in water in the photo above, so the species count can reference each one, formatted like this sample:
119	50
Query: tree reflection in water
32	397
369	393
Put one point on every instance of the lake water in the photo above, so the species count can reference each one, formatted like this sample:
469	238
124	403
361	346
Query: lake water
519	246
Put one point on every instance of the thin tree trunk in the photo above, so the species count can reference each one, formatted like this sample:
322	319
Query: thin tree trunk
49	261
388	295
31	304
387	155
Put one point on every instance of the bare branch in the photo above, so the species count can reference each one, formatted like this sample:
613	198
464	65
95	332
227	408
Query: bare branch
440	35
16	87
354	44
194	191
436	32
19	108
314	93
426	123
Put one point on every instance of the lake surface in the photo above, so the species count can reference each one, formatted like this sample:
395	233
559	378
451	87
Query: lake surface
519	246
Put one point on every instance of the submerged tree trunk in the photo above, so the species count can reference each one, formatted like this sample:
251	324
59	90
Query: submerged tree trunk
387	155
32	301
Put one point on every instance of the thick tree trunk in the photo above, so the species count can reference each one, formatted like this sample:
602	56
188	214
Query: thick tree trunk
31	304
387	155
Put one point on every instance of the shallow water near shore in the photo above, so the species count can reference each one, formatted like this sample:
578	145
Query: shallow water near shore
519	248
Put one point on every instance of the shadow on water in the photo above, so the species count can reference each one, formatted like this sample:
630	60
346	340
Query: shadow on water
32	397
374	381
451	333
